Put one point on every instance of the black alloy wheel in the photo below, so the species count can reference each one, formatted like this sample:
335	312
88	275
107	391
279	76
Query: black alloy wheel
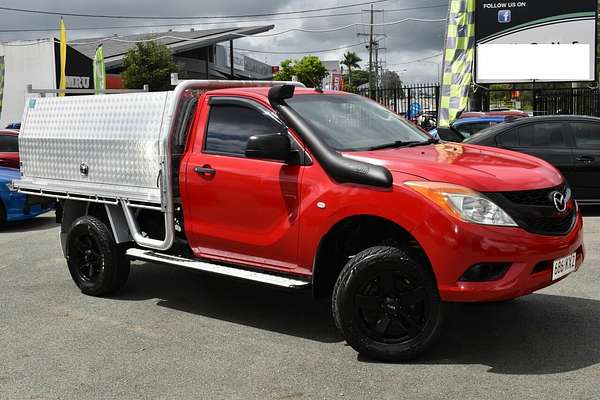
387	305
392	307
97	264
86	254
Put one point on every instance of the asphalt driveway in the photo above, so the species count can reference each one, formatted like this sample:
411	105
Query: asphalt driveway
174	333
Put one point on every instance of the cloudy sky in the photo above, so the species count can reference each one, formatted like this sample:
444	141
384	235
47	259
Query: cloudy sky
404	42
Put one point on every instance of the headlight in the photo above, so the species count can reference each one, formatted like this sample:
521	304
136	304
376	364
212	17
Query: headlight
463	203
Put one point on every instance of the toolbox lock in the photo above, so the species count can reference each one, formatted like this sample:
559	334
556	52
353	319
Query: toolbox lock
84	169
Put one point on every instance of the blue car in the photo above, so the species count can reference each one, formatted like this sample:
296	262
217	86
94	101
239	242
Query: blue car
464	128
18	206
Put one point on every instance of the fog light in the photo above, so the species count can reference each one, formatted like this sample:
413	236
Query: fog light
485	272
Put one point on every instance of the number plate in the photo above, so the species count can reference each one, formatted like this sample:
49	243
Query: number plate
563	266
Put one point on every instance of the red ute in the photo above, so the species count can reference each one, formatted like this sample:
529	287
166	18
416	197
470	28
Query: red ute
9	149
472	213
299	188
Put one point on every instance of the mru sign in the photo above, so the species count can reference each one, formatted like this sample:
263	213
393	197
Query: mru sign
535	40
78	82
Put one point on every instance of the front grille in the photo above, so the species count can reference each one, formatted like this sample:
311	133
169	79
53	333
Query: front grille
557	226
535	211
534	197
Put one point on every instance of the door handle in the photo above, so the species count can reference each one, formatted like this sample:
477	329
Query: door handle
205	170
586	159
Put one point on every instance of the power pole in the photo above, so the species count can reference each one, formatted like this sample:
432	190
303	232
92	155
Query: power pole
371	55
376	46
372	35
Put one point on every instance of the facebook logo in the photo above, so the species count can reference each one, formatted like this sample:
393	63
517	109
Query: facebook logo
504	16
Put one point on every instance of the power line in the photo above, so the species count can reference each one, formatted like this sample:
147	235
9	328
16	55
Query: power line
80	28
267	35
239	49
418	60
71	14
303	52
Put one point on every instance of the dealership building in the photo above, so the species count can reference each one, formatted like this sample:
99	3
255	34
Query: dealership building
203	54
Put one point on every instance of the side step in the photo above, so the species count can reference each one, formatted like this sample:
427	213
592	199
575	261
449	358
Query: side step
269	279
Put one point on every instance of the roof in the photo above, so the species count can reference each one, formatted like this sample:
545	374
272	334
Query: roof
264	91
497	118
115	51
500	128
505	113
543	118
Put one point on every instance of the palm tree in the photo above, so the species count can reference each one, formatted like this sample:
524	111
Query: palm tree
351	60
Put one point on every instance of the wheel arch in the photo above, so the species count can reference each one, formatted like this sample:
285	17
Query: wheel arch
110	215
352	235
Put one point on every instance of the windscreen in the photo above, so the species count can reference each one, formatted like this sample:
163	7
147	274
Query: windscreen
352	123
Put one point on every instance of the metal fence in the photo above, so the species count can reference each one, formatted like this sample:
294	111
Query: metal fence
409	101
575	101
412	101
579	101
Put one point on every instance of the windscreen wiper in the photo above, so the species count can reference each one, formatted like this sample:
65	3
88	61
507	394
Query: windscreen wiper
400	143
425	143
393	145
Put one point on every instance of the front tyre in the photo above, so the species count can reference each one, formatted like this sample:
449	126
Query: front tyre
387	305
96	263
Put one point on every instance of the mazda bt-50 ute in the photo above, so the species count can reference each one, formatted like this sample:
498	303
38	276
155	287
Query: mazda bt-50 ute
298	188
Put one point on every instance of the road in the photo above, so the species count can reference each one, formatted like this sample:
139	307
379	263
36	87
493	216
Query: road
174	333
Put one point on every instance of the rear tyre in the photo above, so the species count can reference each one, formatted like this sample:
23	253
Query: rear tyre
387	305
97	264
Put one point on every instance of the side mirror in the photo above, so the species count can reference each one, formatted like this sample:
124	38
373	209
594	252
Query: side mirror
274	146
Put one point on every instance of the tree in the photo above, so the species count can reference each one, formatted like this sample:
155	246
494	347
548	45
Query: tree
351	60
390	80
309	70
359	77
149	63
286	71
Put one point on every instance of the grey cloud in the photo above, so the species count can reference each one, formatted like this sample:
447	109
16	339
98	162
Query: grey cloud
404	42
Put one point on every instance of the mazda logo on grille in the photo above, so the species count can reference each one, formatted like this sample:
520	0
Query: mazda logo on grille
560	201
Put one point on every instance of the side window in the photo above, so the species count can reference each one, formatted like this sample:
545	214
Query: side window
230	127
9	144
508	139
587	135
548	134
469	130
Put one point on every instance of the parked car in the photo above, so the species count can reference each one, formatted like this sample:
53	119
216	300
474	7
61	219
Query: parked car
570	143
14	126
300	188
464	128
16	206
9	149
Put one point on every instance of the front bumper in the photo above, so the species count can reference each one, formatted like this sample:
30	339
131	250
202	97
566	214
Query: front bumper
454	246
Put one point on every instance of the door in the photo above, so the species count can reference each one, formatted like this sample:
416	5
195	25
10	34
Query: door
586	154
240	210
547	140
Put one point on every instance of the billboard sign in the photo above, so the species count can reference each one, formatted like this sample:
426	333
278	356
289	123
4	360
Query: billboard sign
535	40
337	82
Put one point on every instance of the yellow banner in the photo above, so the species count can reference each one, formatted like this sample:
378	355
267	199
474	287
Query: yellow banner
63	56
458	60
